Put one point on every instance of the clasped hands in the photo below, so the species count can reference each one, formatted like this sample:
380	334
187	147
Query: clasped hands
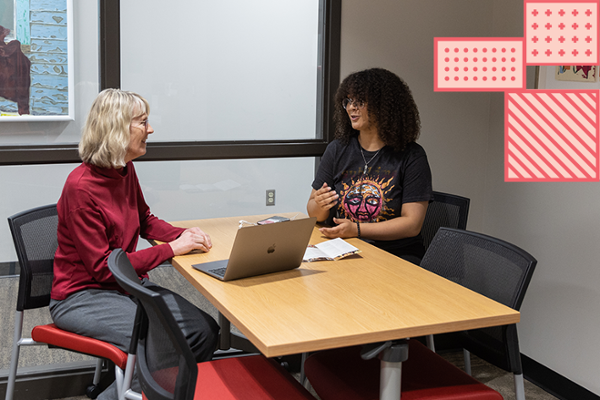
191	239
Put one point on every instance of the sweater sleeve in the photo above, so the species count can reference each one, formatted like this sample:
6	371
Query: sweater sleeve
155	228
95	241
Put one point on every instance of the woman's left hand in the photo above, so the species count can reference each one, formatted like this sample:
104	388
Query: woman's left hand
191	239
345	229
204	236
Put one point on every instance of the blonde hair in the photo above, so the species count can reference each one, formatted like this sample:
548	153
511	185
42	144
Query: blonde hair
106	131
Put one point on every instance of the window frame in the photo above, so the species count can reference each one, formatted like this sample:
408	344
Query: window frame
110	77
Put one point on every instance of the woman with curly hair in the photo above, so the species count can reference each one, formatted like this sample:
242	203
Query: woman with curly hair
374	180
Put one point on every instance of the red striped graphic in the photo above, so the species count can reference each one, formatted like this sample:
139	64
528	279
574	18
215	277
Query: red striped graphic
551	135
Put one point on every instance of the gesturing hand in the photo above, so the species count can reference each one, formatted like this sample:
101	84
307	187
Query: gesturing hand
345	228
326	197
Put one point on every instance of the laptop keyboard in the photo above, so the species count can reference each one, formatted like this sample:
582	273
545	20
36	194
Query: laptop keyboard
218	271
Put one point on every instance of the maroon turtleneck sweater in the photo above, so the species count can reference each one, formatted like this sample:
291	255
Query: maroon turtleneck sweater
99	210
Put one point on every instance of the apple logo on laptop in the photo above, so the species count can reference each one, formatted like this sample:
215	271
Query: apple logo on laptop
271	249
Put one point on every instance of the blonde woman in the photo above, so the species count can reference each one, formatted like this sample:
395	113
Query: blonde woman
102	208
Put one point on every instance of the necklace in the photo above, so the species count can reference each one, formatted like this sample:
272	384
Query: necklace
365	160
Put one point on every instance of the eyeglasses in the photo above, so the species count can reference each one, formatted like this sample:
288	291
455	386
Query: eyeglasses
144	123
355	103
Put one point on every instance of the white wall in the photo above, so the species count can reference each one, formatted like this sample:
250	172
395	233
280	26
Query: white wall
463	133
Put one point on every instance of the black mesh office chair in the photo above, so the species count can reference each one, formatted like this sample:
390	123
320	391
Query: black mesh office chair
34	234
496	269
489	266
447	210
166	366
450	211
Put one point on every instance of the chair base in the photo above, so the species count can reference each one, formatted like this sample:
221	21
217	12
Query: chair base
343	374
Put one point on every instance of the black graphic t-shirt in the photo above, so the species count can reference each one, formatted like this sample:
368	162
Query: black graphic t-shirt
377	194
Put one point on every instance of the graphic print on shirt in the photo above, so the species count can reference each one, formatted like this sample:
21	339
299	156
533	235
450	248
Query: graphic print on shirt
363	199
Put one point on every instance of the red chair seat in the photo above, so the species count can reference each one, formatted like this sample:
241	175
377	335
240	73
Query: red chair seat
342	374
55	336
248	378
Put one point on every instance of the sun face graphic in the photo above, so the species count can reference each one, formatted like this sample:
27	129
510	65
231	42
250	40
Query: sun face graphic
364	200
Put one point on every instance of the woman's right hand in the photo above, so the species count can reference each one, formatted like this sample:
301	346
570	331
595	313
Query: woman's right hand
321	201
325	197
191	239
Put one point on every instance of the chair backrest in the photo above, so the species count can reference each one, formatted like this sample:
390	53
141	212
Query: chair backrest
494	268
166	366
446	210
34	234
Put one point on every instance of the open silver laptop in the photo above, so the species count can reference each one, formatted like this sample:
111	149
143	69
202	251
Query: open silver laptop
262	249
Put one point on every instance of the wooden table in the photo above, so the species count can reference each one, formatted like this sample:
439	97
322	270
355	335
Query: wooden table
371	297
366	298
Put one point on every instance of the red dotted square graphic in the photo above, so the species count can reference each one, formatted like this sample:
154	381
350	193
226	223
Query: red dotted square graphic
551	136
562	32
478	64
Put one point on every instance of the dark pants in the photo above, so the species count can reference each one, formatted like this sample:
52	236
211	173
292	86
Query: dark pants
108	315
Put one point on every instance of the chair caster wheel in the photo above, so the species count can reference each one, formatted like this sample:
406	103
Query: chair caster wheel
92	391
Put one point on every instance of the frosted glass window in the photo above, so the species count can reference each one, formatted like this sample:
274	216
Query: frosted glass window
224	70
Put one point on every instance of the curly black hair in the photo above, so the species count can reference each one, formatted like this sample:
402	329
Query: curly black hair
389	103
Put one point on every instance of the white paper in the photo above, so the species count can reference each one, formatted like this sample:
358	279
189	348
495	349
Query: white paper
330	250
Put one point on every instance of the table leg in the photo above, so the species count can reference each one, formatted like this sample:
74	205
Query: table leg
225	334
229	340
390	381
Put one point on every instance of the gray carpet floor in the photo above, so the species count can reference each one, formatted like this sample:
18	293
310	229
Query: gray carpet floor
171	279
